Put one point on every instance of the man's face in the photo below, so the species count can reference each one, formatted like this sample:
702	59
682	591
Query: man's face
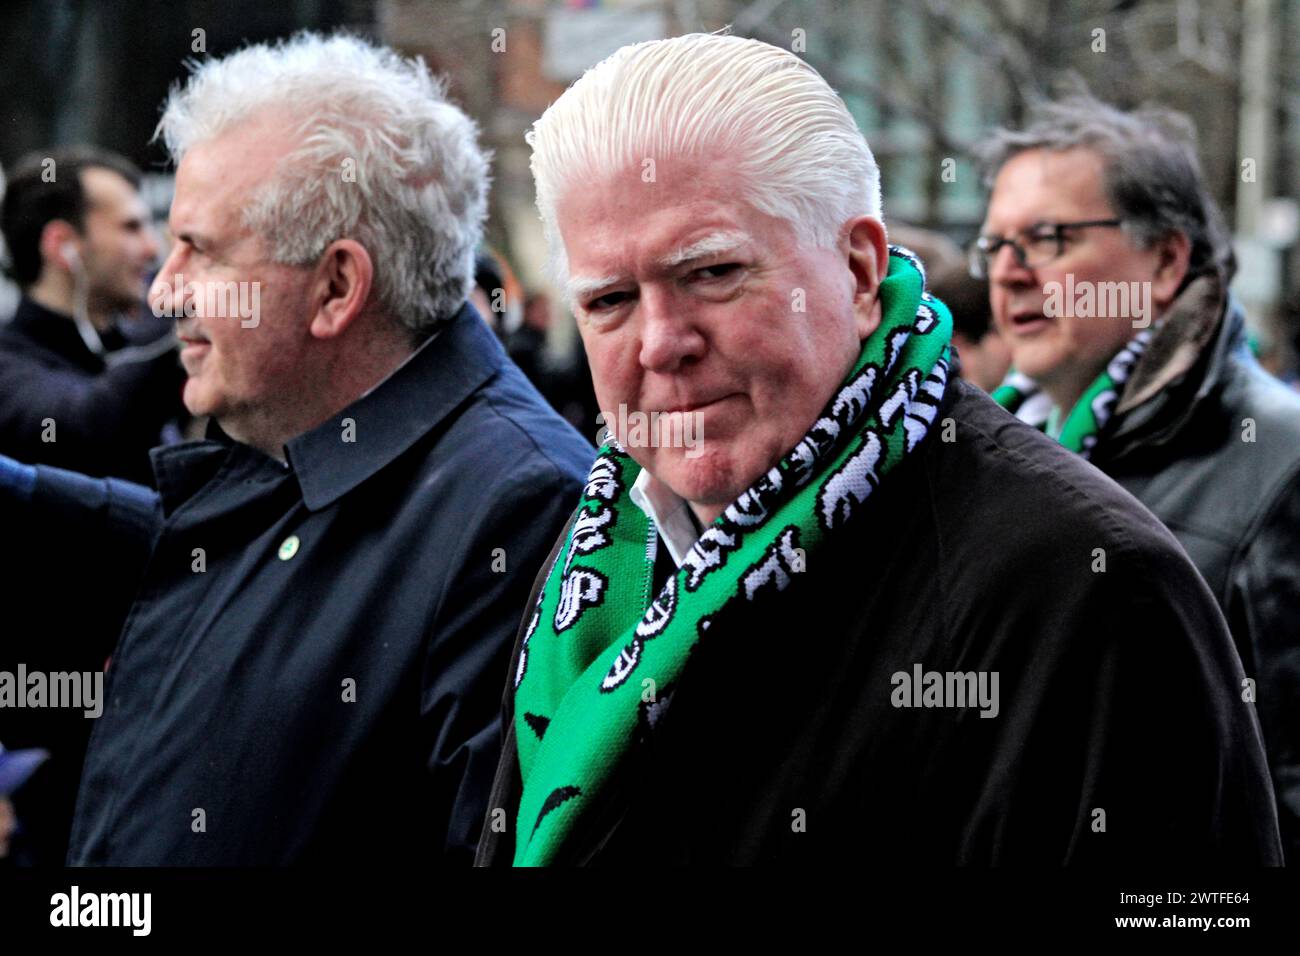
690	301
241	367
119	244
1044	187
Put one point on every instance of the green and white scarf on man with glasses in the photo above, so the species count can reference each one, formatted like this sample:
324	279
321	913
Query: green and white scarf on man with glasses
1079	428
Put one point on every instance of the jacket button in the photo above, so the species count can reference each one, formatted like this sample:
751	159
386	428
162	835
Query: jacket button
289	547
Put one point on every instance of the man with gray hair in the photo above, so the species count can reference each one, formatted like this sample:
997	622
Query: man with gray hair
868	617
1109	265
328	583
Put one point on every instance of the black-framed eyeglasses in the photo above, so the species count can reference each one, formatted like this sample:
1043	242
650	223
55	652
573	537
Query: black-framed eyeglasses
1036	246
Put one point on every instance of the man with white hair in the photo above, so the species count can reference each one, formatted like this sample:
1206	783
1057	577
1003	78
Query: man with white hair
328	584
868	616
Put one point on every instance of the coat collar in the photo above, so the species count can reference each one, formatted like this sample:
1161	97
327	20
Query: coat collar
387	420
397	412
54	331
1165	415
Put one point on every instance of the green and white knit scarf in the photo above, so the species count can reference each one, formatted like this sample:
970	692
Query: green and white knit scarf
1083	424
600	659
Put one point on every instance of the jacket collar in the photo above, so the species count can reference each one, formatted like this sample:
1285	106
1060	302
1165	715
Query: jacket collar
54	331
1162	416
436	379
397	412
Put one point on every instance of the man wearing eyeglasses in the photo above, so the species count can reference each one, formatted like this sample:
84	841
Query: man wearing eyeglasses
1108	267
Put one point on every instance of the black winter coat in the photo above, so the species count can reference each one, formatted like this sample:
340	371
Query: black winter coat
1120	736
106	415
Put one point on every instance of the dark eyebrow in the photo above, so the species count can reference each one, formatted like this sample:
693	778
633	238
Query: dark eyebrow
1032	227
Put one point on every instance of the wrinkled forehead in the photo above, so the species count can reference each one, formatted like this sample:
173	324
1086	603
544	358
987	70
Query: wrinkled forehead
1047	185
624	224
660	207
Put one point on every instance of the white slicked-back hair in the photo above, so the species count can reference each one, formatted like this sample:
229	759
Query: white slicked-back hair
417	196
795	149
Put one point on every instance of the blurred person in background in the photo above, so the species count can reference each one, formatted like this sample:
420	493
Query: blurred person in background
1109	265
89	380
983	358
527	344
521	324
496	295
984	354
565	380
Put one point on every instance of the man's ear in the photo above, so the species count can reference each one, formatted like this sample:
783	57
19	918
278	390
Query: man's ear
1173	256
56	236
342	287
868	253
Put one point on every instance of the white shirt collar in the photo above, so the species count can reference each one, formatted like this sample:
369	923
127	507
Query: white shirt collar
668	511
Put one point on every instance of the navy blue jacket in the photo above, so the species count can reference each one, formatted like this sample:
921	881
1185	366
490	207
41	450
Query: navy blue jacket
311	669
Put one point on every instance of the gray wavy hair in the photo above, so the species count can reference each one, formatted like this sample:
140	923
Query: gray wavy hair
1152	176
419	197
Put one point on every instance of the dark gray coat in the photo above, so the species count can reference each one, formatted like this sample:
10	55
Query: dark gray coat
1216	457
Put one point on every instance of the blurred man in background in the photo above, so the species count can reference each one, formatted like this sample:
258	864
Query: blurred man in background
1109	266
983	357
983	351
88	379
497	295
